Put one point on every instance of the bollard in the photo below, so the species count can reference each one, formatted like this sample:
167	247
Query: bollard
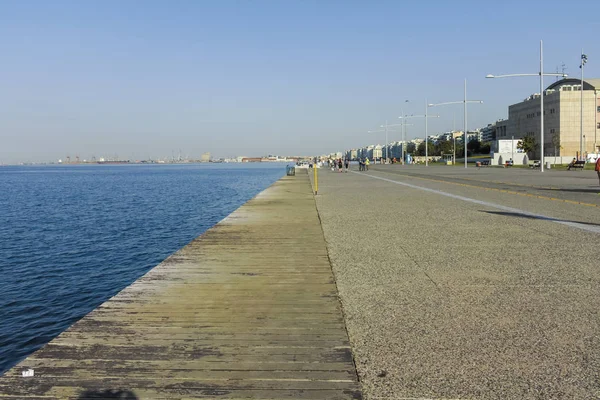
316	180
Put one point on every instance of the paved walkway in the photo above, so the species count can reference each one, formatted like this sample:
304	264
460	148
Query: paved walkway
247	310
456	291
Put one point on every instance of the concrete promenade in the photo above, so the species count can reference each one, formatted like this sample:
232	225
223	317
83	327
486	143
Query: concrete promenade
247	310
468	284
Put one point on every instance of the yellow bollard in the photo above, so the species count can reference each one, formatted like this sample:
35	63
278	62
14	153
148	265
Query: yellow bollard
316	178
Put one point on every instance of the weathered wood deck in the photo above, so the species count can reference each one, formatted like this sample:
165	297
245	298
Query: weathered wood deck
247	310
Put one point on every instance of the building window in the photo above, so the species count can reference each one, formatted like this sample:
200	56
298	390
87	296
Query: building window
599	109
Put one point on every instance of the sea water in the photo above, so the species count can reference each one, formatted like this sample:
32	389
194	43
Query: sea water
72	236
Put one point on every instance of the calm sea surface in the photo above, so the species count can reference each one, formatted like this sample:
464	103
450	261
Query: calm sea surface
73	236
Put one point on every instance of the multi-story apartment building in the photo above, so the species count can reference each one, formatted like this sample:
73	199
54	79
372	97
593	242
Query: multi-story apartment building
377	152
488	133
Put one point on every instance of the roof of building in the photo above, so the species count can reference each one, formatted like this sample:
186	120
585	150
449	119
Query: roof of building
588	84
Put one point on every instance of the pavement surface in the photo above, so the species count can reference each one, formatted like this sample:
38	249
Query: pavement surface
467	283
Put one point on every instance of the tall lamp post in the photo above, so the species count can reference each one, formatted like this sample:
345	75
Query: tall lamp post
403	129
426	117
464	102
582	136
386	126
541	74
403	126
386	137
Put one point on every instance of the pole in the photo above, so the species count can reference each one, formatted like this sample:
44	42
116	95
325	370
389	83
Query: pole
454	151
542	105
316	177
386	141
426	160
512	143
581	111
403	127
595	122
454	138
405	134
465	123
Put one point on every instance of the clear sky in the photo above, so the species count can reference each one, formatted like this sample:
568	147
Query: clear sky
150	78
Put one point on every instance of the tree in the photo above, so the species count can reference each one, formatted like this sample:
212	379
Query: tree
485	148
443	147
527	144
430	149
556	144
410	148
460	150
474	145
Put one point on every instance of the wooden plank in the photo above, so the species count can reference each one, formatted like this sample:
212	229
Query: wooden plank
101	392
159	365
207	375
247	310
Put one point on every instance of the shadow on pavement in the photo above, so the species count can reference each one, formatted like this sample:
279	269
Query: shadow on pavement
110	394
520	215
597	190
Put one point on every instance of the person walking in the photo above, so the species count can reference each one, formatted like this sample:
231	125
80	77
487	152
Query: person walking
340	165
597	169
347	164
367	162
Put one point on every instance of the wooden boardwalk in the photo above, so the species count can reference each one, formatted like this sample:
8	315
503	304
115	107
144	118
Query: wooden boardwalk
247	310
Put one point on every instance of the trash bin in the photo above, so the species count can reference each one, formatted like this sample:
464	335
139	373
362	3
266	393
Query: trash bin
478	164
290	170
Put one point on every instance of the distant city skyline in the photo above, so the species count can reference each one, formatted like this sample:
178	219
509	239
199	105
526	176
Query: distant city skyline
145	79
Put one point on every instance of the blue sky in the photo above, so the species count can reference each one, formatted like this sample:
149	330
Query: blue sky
147	78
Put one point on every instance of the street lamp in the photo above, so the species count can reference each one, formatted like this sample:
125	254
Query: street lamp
403	133
464	102
422	116
541	74
386	126
582	136
403	126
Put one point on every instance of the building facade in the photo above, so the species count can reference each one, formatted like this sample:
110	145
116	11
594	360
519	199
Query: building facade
488	133
562	118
